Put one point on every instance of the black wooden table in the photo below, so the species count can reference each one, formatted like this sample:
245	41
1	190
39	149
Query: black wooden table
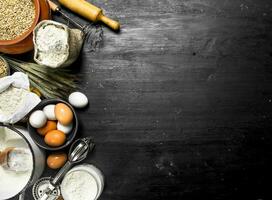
181	100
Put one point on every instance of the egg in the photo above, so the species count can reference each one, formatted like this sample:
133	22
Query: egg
56	160
49	126
37	119
78	100
55	138
65	129
49	111
63	113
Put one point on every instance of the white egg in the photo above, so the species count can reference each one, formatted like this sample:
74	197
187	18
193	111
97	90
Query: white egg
49	111
78	100
37	119
65	129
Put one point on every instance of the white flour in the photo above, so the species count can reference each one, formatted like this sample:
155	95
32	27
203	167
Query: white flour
52	44
79	185
11	99
12	182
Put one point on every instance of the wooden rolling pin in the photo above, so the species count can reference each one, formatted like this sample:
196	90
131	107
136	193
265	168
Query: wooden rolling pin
90	12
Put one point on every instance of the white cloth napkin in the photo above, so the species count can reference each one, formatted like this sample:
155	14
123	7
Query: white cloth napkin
18	80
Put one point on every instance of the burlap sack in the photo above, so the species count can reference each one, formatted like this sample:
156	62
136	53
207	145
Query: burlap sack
71	52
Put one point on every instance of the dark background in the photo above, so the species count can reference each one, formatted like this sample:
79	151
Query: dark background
181	100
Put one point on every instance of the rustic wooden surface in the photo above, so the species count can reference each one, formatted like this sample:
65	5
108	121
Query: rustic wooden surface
181	100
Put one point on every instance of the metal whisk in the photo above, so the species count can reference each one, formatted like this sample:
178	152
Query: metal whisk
47	188
93	34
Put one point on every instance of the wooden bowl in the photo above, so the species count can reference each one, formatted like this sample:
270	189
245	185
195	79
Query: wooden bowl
25	34
24	43
6	66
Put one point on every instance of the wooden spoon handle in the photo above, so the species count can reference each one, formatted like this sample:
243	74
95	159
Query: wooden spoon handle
4	155
53	6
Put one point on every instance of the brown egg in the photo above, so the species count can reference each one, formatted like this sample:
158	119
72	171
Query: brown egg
56	160
55	138
49	126
63	114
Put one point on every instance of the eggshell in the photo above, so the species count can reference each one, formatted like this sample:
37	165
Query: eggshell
37	119
49	111
55	138
63	114
56	160
49	126
65	129
78	99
